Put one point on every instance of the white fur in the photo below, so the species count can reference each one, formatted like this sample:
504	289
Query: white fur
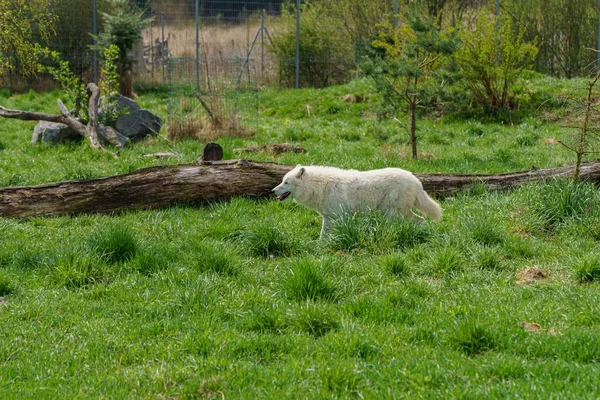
333	191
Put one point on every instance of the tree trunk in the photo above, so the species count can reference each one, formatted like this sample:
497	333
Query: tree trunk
199	183
413	128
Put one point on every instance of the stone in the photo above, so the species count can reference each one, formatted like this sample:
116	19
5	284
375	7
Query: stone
138	123
54	133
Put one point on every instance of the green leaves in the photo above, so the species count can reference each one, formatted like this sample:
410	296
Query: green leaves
492	57
22	23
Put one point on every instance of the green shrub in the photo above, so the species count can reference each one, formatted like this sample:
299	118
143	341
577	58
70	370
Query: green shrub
305	281
114	243
148	261
485	230
314	320
324	58
396	264
6	284
75	270
473	339
265	320
374	231
447	259
557	201
213	258
492	58
587	269
265	240
488	258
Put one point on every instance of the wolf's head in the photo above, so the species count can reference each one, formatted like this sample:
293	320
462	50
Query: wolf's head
289	183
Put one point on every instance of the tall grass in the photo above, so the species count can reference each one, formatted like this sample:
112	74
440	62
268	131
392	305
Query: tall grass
558	201
115	243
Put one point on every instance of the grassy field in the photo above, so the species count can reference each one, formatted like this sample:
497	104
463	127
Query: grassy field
240	299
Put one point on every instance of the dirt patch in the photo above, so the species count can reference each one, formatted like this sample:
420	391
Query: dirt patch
531	275
534	327
551	141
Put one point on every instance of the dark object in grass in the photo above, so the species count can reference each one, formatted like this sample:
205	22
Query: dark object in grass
212	152
167	185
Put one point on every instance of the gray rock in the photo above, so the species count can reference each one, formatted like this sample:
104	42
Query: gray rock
54	133
137	123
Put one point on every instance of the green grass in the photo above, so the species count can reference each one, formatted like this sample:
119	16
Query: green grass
241	299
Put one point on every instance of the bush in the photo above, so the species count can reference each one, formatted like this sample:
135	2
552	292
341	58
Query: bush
6	284
114	243
325	59
473	339
587	269
558	201
374	231
492	58
314	320
75	270
213	258
396	264
265	240
304	281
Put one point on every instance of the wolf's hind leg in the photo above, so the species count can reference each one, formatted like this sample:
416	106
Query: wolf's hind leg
416	218
327	223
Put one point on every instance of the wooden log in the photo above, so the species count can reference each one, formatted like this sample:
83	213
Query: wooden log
199	183
446	185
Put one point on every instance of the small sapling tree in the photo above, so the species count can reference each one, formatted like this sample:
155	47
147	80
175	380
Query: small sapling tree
582	119
123	27
403	64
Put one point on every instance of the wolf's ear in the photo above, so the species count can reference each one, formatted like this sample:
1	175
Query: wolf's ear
300	172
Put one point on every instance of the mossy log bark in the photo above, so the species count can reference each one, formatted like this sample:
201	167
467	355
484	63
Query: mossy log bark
200	183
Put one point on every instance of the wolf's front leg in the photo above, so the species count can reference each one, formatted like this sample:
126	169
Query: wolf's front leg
327	222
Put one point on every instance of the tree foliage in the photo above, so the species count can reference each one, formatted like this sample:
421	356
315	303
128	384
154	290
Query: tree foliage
404	62
22	24
123	27
325	58
74	26
492	57
75	90
563	30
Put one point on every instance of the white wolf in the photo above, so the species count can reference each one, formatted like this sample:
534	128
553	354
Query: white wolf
333	191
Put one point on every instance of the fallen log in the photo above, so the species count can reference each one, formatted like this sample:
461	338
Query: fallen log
199	183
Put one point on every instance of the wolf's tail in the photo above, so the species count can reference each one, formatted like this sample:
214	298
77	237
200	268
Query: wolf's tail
428	206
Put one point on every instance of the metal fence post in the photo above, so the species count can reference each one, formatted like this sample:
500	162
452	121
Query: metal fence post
598	53
95	32
297	44
262	43
162	45
197	45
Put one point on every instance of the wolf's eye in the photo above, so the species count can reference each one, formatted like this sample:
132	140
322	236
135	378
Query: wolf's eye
286	182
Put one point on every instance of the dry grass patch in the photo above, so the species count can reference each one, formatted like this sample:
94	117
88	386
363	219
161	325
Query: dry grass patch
531	275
